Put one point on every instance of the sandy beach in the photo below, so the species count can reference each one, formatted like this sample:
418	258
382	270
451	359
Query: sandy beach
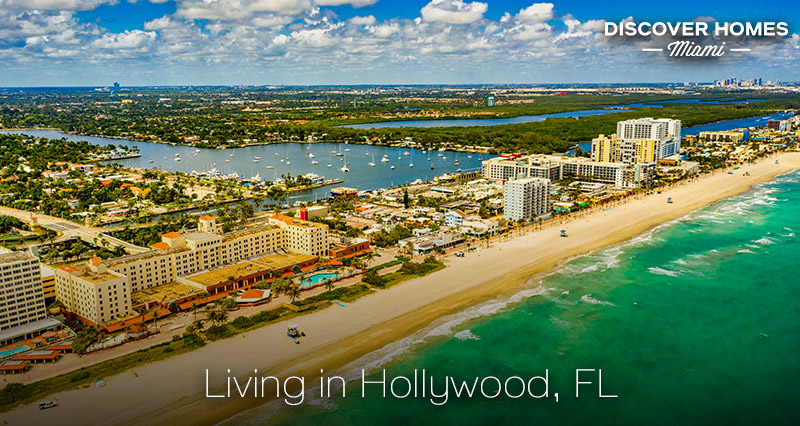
173	391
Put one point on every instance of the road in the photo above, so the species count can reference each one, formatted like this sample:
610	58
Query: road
68	229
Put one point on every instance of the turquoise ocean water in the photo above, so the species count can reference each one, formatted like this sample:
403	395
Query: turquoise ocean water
696	322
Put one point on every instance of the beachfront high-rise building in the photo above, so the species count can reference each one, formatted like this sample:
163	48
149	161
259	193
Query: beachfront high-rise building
555	168
21	295
302	236
526	198
490	101
22	305
642	140
92	293
627	151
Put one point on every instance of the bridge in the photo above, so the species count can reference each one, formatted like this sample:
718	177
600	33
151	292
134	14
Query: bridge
68	229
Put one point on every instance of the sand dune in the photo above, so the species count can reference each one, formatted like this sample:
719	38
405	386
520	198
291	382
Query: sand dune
172	391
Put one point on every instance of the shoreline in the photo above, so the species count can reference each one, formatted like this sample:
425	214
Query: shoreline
339	336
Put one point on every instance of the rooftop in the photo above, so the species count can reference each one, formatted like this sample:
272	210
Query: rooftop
166	292
247	231
173	235
31	327
198	236
160	246
15	256
247	267
131	258
296	222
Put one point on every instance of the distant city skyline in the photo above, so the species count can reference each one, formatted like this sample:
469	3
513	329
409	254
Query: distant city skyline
352	42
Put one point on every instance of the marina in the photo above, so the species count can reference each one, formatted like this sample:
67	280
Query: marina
348	164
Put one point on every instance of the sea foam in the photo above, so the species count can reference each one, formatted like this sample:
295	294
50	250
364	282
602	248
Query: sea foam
661	271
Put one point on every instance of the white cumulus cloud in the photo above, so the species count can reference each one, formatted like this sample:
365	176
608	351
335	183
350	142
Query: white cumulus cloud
536	13
453	11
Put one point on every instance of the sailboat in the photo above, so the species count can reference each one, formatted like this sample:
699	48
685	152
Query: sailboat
314	162
385	158
372	163
392	168
344	168
412	162
310	155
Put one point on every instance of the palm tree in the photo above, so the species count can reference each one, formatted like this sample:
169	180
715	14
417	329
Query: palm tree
212	316
358	262
294	293
440	251
329	285
198	325
119	251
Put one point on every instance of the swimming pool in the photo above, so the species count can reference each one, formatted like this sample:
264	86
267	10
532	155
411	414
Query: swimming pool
319	278
14	351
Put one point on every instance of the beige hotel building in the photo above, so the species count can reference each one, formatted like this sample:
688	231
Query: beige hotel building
100	291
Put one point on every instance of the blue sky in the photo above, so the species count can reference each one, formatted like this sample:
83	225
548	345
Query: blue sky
263	42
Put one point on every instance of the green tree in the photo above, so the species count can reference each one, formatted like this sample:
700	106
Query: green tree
294	293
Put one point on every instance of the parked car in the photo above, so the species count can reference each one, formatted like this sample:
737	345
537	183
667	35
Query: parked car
459	254
48	404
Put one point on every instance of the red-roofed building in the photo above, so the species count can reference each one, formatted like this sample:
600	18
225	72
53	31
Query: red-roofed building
160	246
139	191
454	218
254	297
13	367
343	247
42	356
